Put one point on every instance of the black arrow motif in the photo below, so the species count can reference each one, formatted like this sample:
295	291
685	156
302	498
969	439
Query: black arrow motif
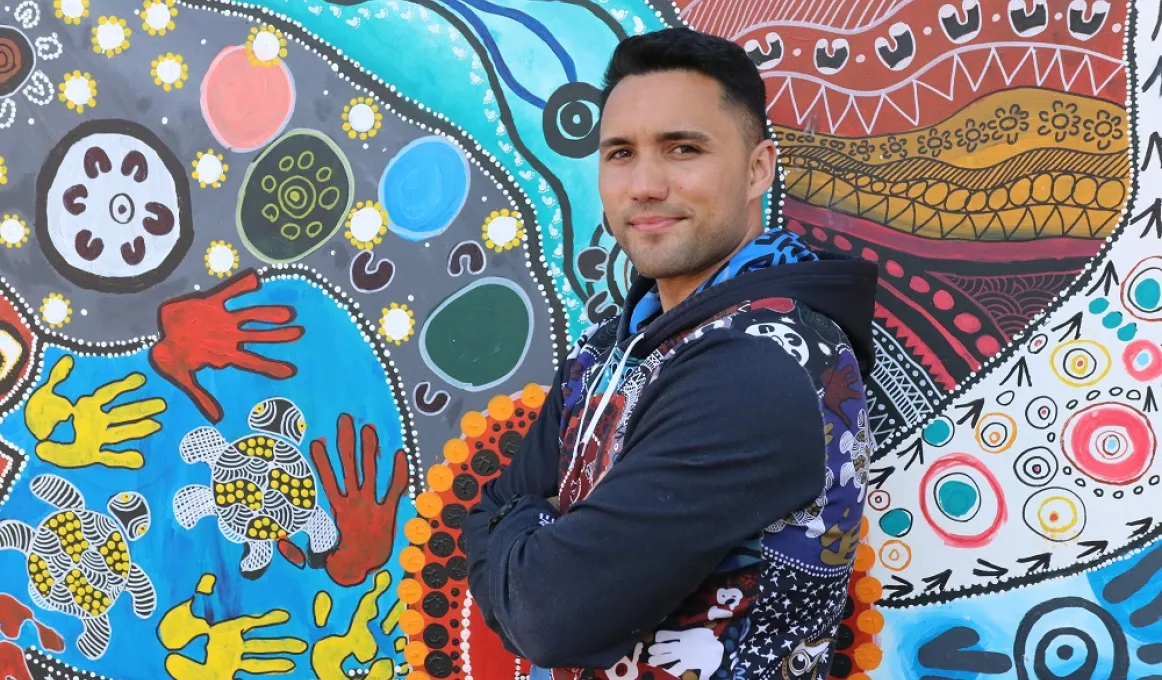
1142	524
975	408
1093	548
877	476
1021	370
1036	562
915	452
990	569
1154	143
1108	279
1153	76
901	588
1073	325
1154	212
1157	24
1149	405
937	581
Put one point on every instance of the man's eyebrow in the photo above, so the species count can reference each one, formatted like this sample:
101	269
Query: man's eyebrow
671	136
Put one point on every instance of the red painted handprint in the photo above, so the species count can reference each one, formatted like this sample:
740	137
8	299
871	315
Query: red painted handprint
366	523
197	331
13	616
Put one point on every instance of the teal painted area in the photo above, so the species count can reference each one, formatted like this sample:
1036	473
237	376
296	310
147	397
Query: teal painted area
957	498
938	432
418	52
896	522
1099	305
1148	294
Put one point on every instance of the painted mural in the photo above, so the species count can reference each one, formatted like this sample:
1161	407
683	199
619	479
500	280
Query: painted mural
282	282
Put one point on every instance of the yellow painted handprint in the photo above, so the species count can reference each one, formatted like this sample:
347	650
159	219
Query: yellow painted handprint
226	645
95	428
328	654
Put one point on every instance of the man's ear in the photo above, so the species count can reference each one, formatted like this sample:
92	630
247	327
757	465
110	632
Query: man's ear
763	164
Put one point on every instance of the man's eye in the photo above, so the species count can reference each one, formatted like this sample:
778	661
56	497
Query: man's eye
686	149
617	153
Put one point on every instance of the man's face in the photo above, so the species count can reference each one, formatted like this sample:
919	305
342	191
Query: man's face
676	173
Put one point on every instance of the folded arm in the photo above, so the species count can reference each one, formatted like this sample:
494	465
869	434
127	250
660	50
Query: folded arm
728	439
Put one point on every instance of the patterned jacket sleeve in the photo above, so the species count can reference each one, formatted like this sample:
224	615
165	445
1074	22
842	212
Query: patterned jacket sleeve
727	439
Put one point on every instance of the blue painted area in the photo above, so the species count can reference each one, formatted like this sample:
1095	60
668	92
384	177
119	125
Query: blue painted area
438	71
424	187
1099	305
175	558
1126	333
1124	590
1112	320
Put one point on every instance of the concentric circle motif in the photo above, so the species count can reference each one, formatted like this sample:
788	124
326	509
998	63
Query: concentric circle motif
1080	363
1041	412
570	119
1070	638
895	555
1143	360
1142	289
1036	466
1038	343
1110	442
962	501
1055	513
879	500
113	207
996	432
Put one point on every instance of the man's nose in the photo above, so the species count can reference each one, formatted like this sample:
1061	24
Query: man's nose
648	181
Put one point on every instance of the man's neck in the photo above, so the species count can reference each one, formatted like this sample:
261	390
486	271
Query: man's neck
673	290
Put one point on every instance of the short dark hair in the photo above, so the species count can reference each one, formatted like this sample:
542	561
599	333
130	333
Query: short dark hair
684	49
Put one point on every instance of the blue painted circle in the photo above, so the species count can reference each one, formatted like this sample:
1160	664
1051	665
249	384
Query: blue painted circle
938	432
896	522
424	187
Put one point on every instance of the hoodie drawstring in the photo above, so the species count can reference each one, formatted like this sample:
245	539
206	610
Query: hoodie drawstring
607	395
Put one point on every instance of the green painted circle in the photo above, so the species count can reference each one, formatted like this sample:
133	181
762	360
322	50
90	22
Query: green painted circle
479	336
294	197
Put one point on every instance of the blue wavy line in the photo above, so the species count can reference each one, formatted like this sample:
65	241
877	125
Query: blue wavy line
539	29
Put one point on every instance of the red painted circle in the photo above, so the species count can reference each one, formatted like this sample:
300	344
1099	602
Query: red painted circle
841	242
943	300
894	268
1143	360
937	469
987	345
967	322
1109	442
869	255
919	285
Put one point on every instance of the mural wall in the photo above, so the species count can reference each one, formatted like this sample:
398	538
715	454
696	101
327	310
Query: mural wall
282	284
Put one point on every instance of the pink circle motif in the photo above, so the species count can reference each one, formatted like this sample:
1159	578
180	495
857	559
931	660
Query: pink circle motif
1143	360
246	105
1109	442
985	526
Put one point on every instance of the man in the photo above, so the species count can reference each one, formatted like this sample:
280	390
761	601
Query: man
709	446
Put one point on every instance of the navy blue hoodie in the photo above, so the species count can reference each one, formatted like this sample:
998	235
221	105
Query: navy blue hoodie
711	463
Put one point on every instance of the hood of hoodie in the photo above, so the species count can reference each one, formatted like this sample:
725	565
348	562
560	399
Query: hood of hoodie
775	264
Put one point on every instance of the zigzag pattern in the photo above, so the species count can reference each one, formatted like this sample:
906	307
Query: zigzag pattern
941	88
